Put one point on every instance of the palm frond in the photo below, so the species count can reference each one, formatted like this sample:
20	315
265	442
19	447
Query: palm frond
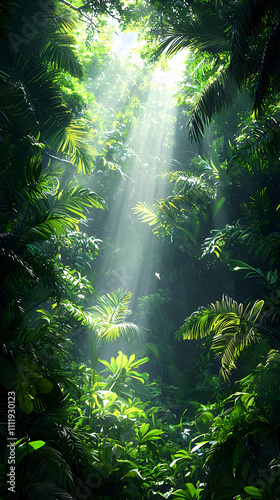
46	214
125	330
53	43
73	141
74	200
70	446
15	111
231	327
238	265
273	358
49	475
203	31
195	33
113	307
15	266
41	227
66	22
222	315
181	217
43	103
215	97
76	312
58	49
268	68
109	316
146	213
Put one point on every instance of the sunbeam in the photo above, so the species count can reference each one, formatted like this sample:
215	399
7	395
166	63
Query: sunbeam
131	253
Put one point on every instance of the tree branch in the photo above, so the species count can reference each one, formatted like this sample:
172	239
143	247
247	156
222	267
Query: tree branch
77	9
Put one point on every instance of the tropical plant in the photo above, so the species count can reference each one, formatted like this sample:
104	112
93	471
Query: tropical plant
184	216
248	59
35	209
123	369
231	327
37	47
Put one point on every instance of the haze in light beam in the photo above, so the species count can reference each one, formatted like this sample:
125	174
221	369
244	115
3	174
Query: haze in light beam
152	140
131	250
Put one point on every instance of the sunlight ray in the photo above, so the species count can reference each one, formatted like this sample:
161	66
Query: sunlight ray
152	139
132	253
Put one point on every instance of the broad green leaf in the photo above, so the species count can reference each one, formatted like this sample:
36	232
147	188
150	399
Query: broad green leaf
154	434
253	492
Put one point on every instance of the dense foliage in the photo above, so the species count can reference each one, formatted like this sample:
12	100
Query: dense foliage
139	255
